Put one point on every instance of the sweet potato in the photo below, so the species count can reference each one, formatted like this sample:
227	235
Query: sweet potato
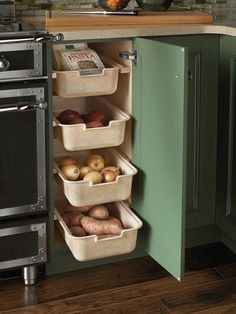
99	227
72	219
77	231
70	208
99	212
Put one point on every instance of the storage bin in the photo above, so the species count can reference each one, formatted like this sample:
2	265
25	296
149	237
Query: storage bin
93	247
81	193
72	84
77	137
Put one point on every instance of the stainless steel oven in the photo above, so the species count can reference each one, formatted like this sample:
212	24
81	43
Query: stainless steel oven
31	239
23	148
24	209
21	61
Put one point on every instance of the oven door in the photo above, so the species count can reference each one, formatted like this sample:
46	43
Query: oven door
23	243
22	142
21	60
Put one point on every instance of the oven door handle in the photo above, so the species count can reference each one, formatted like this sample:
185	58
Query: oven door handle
37	37
41	104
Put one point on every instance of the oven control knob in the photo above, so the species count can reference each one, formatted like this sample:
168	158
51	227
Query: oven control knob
4	64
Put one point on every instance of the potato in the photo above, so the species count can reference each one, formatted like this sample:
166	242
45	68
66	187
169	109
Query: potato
99	212
77	231
72	219
70	208
100	227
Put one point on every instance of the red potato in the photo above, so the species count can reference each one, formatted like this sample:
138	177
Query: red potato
75	120
98	116
77	231
94	124
66	115
82	209
94	226
99	212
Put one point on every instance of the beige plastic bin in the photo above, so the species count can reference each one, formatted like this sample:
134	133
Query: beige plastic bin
93	247
72	84
77	137
81	193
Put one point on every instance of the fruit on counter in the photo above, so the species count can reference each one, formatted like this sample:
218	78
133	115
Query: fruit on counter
70	208
99	212
113	5
71	172
94	226
83	171
110	174
66	160
67	115
96	116
94	176
77	231
96	162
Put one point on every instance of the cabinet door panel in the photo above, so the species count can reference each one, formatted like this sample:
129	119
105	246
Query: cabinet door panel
202	126
159	150
226	181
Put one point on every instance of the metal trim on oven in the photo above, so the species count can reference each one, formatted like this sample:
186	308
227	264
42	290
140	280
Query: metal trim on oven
39	92
38	60
42	246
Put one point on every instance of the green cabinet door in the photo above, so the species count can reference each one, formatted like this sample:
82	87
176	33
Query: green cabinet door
202	126
226	180
159	150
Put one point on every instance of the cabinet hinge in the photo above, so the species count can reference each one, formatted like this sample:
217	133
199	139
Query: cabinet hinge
129	56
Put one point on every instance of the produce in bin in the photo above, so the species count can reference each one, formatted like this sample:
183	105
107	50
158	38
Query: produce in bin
92	119
94	221
94	170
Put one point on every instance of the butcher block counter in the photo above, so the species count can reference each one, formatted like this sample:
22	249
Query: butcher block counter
146	24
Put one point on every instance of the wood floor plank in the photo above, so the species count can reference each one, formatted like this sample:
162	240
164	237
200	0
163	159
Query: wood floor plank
200	297
98	278
107	298
207	256
145	305
227	271
13	294
223	309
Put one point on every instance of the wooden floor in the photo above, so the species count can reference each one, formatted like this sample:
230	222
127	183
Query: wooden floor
135	286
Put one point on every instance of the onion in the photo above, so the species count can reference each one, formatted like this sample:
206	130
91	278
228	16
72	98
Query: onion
96	162
66	160
93	176
83	171
71	172
110	174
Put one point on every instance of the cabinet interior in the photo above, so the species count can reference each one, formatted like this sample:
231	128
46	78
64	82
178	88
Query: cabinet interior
210	145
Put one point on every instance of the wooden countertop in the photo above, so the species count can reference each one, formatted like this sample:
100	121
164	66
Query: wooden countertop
63	18
131	31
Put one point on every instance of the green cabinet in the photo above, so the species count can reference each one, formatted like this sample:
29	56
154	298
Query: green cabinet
183	143
226	187
174	143
159	149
